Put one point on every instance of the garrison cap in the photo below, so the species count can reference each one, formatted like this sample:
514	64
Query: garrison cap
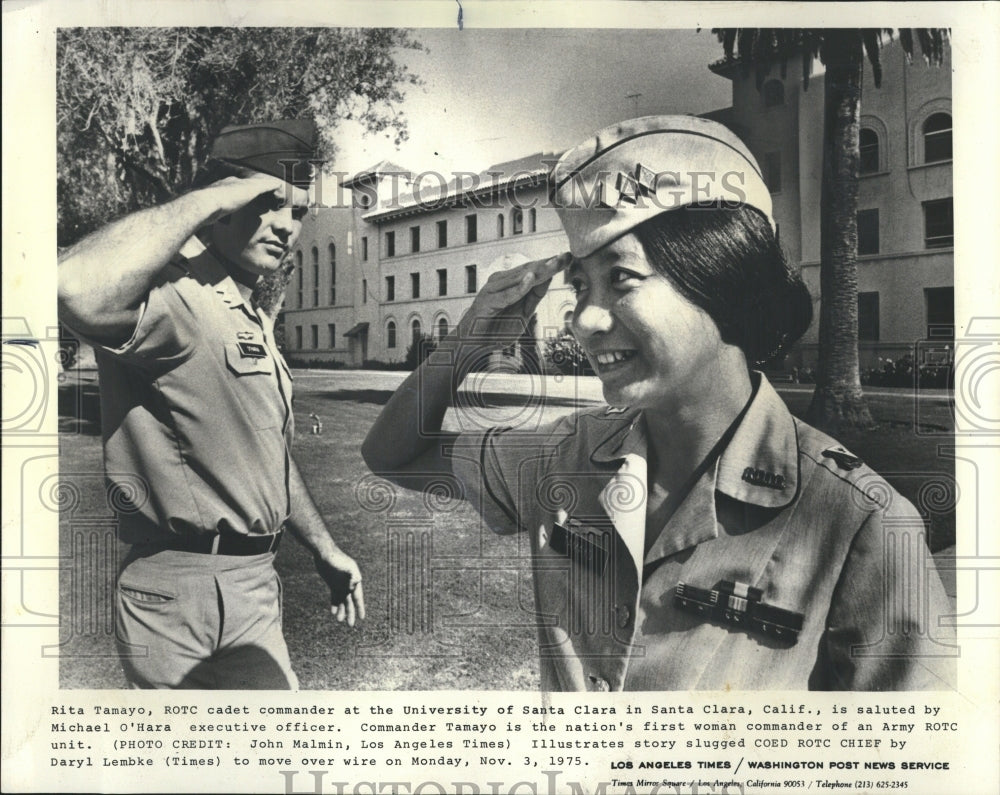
281	148
634	170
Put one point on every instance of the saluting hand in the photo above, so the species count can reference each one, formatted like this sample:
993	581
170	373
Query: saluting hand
507	300
230	194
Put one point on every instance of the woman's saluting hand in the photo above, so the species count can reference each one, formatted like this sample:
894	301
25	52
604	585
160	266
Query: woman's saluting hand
504	304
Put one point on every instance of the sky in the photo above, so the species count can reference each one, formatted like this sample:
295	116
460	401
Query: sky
496	95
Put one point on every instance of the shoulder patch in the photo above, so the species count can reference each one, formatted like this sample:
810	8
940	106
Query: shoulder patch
843	458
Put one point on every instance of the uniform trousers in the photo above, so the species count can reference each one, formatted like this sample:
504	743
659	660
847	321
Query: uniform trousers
193	620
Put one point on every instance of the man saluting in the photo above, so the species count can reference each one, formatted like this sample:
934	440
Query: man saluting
197	417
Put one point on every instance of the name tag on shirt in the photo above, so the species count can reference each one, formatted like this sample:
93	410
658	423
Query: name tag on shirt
585	546
252	350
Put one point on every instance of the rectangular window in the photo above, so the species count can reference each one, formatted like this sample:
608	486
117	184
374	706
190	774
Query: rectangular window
868	231
939	224
442	227
364	249
868	316
314	334
470	229
390	244
331	329
470	279
772	171
390	288
415	284
298	338
868	147
364	291
333	276
442	281
940	312
414	239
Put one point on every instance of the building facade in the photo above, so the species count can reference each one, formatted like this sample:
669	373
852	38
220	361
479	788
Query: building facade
414	253
905	221
409	253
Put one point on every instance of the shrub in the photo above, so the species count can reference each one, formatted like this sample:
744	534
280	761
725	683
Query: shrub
904	373
564	355
315	364
423	345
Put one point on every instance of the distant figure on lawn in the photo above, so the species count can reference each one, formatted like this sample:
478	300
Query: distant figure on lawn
197	417
692	534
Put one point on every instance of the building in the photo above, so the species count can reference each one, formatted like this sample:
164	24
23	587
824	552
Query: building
408	256
905	221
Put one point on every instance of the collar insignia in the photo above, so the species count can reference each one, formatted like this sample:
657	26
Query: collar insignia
758	477
843	459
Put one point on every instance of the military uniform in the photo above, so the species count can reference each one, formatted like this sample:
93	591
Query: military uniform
783	520
197	424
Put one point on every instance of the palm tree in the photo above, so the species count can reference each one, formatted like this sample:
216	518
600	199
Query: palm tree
838	400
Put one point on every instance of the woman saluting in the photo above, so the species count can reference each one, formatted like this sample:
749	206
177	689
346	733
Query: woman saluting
692	534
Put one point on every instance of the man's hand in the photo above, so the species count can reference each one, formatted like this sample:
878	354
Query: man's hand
342	575
230	194
105	277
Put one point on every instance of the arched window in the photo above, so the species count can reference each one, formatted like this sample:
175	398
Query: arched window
298	279
390	334
516	221
774	93
332	249
414	330
568	321
868	139
532	220
442	328
500	225
937	138
315	275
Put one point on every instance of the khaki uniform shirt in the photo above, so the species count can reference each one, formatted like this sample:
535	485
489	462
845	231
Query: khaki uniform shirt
832	541
196	410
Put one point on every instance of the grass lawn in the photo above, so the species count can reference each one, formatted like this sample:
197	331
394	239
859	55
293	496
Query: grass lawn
449	603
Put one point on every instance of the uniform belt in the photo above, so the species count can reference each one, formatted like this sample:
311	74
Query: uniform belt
225	543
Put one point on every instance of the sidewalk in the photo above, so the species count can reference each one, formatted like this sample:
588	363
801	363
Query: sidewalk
587	388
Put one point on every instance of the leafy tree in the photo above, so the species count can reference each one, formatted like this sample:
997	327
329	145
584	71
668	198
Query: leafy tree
137	108
838	399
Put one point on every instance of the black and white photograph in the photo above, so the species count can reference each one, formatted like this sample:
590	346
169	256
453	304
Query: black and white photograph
513	400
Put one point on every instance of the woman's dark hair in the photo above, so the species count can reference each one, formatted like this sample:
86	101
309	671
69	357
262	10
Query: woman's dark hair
729	263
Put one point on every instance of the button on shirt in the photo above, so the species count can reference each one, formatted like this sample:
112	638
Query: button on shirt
196	410
840	547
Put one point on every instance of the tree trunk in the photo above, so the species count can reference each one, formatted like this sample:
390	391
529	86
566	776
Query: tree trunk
838	401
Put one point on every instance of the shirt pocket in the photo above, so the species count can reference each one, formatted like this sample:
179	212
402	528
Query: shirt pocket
255	384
